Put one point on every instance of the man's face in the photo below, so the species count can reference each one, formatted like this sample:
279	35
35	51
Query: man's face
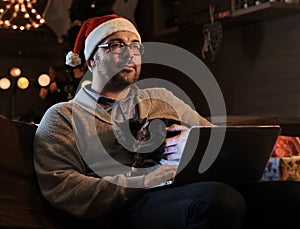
125	67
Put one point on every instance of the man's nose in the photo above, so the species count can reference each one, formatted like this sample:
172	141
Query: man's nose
127	52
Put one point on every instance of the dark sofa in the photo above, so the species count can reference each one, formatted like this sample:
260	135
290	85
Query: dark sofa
21	203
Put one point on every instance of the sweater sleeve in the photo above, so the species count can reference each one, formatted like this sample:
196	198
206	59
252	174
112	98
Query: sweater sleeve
165	104
62	173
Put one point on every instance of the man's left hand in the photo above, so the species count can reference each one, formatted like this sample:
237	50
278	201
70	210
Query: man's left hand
174	146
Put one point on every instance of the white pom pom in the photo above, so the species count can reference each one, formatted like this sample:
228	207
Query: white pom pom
73	59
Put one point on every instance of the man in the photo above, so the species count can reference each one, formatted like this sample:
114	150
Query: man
82	167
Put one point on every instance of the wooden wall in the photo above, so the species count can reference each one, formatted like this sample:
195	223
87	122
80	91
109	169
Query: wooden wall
257	66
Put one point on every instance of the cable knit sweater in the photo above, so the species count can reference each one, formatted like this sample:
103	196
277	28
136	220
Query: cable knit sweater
77	157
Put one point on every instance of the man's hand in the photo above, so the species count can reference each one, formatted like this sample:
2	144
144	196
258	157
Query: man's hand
160	175
174	146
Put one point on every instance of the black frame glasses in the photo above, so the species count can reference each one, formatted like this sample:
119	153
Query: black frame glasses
118	47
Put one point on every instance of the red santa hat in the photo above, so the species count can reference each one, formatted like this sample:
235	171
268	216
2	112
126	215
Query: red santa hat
93	31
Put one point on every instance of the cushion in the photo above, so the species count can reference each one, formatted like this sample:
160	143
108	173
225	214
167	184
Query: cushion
286	146
282	168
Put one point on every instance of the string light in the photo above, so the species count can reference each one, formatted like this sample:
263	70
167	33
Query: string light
23	83
44	80
4	83
20	14
15	72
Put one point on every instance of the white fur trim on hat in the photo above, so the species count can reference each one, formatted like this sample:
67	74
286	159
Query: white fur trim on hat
105	29
73	59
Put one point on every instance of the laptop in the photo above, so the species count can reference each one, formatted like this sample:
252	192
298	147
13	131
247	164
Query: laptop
229	154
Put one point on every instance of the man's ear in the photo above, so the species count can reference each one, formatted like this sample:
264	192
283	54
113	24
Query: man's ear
91	63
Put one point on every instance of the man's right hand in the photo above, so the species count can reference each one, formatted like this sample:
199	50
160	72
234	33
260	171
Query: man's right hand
160	175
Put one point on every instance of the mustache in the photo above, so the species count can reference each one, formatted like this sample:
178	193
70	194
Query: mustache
124	65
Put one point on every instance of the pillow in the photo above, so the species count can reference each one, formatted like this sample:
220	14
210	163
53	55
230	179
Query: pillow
286	146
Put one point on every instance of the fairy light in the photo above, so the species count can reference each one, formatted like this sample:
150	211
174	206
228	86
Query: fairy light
20	15
23	83
15	72
44	80
5	83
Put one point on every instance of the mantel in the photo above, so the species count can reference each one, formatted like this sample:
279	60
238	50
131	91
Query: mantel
267	10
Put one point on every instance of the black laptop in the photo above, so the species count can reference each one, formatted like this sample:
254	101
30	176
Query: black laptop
230	154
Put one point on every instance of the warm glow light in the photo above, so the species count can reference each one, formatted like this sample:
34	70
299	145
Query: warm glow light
44	80
17	14
15	72
23	83
5	83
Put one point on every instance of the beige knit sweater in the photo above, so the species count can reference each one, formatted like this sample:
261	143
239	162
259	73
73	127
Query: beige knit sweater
76	155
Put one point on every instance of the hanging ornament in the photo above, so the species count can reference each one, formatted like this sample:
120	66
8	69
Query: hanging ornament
213	34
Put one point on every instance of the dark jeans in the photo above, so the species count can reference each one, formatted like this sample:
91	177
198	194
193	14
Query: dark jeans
199	205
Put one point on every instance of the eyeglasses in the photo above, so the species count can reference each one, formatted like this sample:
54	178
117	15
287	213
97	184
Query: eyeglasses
119	47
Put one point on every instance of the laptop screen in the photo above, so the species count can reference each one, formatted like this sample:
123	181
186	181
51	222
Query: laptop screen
241	155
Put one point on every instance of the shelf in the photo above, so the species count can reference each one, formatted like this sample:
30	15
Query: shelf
267	10
237	17
173	16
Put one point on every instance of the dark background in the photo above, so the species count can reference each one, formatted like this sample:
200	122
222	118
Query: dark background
257	65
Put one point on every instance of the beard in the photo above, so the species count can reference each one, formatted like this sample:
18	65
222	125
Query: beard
125	77
124	73
121	80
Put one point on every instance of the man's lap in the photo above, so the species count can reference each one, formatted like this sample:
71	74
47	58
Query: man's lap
179	207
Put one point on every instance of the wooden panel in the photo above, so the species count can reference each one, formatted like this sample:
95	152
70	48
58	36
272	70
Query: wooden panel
193	13
257	66
267	10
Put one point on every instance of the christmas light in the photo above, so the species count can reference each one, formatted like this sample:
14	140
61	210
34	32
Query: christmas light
44	80
23	83
20	14
4	83
15	72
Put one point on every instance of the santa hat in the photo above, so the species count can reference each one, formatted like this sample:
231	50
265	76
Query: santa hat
93	31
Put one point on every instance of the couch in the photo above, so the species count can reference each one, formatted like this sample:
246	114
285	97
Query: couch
21	203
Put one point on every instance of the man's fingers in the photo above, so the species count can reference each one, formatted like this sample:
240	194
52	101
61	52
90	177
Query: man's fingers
166	172
170	149
176	127
172	141
173	156
170	171
162	174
